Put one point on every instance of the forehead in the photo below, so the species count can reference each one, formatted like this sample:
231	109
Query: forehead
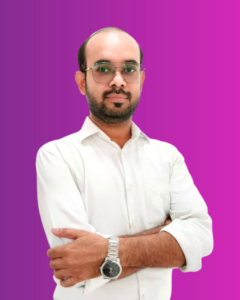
112	46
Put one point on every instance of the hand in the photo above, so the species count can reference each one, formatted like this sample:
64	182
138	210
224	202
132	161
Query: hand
79	260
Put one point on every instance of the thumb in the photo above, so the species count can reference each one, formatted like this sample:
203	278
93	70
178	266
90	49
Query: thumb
69	233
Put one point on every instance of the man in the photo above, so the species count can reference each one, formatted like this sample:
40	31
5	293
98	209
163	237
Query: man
110	191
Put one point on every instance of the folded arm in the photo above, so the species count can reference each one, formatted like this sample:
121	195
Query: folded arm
60	203
183	243
191	224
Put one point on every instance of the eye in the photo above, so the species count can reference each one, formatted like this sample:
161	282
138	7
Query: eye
103	69
129	69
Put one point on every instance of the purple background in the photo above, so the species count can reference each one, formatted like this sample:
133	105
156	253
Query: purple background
190	99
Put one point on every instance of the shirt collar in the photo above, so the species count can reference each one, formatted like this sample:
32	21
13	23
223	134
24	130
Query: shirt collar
89	128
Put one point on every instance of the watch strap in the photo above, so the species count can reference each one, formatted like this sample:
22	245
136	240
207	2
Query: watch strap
113	247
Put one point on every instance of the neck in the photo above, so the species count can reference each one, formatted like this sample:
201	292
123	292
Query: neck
118	133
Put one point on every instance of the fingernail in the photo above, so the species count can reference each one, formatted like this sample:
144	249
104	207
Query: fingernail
55	230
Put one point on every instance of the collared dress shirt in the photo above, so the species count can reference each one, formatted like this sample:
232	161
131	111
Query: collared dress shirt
86	181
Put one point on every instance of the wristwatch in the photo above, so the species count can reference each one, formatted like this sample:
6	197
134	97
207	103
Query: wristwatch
111	267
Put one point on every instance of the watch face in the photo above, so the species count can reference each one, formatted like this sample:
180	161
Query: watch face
111	269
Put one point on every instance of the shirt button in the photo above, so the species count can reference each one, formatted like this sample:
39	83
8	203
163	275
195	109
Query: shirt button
130	187
143	297
134	223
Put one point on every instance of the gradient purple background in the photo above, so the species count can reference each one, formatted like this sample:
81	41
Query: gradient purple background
190	99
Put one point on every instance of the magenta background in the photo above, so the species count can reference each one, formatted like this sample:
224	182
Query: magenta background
190	99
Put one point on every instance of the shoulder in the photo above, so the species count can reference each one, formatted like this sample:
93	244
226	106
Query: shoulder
167	150
60	146
163	146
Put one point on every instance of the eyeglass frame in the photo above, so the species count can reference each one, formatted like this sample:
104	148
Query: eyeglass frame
108	62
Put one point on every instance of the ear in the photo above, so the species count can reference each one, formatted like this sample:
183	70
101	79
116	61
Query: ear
80	80
142	80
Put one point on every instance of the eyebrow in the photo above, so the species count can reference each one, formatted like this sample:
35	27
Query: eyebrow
133	61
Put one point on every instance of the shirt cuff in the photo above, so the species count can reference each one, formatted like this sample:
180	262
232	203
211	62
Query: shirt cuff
87	286
182	231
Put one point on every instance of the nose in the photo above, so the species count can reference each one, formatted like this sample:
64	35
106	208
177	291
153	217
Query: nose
118	79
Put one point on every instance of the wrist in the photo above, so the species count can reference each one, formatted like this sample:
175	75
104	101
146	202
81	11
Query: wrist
111	267
104	248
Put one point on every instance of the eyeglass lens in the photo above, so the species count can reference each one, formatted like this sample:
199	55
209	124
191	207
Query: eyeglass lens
104	72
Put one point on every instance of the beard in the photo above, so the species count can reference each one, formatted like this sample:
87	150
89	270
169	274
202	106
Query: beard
108	115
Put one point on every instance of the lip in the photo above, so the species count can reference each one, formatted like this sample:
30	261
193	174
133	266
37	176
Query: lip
117	98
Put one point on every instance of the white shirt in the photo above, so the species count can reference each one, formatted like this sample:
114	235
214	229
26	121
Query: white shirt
86	181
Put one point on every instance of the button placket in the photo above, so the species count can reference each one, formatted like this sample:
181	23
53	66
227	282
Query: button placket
129	193
126	184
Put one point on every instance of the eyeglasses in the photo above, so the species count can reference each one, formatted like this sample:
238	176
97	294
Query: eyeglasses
104	72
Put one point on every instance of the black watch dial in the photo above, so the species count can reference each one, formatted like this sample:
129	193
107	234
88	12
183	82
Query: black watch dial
111	269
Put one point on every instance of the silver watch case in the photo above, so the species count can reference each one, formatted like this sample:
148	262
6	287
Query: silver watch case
116	261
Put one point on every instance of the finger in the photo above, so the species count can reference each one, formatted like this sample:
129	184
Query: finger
61	274
167	221
56	252
68	282
69	233
57	264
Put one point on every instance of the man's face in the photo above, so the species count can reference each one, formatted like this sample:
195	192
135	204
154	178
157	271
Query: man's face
116	47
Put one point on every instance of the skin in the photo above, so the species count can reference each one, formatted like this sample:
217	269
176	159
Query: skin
80	259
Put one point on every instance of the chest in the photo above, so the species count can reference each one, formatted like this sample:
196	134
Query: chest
127	188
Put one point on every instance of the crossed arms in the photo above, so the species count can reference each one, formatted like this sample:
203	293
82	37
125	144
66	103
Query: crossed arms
81	259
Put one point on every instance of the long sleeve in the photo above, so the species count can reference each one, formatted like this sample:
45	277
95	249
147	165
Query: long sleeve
191	225
60	204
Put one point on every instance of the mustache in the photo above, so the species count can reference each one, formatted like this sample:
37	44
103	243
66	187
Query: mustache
120	91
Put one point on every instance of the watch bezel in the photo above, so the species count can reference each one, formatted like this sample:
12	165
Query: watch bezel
113	261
